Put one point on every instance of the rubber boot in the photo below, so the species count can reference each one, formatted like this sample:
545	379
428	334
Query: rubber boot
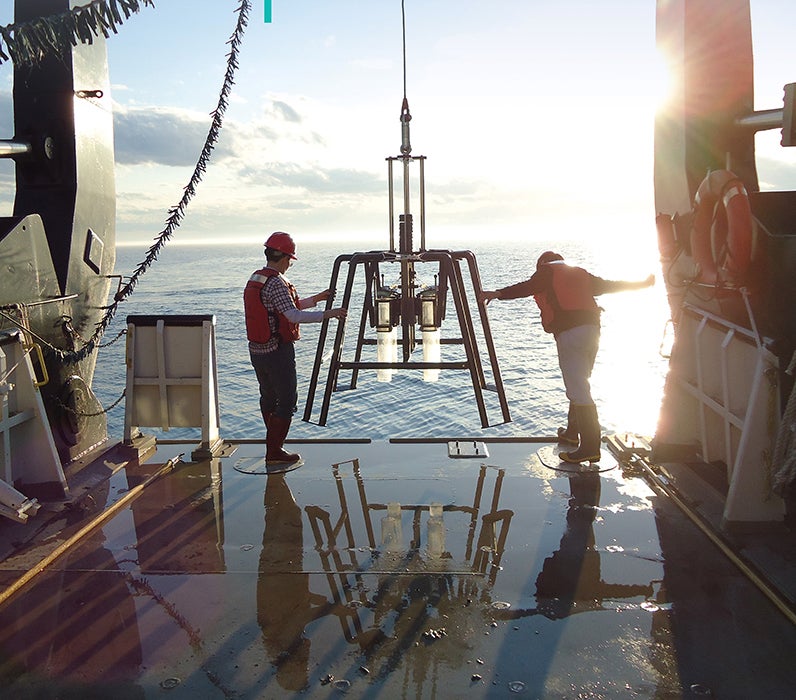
589	430
275	439
569	435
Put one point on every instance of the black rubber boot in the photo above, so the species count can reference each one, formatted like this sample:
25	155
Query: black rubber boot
589	429
569	435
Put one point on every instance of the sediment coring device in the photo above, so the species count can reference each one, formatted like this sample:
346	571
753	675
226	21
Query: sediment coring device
396	310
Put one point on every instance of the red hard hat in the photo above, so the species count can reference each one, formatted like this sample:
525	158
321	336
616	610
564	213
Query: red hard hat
282	242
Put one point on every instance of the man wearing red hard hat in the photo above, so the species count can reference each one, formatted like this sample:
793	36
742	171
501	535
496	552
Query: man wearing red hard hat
565	297
273	314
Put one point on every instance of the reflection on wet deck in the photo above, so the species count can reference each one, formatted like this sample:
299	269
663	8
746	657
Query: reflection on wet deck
390	569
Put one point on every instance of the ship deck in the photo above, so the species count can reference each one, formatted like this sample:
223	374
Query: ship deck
173	578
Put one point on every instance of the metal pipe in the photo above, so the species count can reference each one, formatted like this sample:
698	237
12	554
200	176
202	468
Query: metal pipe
475	277
68	297
334	364
454	364
407	197
761	120
391	212
316	368
480	438
12	149
422	160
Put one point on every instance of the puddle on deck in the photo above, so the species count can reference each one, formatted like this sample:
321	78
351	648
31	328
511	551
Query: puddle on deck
388	569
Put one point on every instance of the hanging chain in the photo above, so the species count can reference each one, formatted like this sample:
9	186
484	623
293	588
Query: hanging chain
86	414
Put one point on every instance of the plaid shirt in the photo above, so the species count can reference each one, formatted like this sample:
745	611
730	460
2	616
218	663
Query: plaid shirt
275	296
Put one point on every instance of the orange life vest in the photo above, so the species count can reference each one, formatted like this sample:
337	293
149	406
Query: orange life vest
258	326
568	300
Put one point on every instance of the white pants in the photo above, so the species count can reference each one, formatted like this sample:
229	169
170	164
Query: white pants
577	350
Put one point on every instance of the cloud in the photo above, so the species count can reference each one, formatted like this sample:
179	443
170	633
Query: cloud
776	174
286	112
162	136
314	178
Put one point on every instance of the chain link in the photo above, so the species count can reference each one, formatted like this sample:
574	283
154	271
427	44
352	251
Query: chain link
84	414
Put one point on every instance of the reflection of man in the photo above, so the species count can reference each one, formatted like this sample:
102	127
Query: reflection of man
283	594
572	574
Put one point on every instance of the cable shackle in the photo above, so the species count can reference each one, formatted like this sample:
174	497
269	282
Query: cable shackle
406	146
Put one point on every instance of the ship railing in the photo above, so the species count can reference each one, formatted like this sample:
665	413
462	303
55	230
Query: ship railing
723	393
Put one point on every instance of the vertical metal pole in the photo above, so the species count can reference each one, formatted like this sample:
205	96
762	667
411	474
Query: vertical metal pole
703	432
407	200
334	360
468	321
422	203
371	280
316	368
390	195
407	271
490	344
363	500
465	323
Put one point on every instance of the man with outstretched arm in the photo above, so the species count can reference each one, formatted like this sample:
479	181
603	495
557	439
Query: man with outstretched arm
565	296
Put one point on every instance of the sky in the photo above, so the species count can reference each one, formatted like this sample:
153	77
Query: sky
535	116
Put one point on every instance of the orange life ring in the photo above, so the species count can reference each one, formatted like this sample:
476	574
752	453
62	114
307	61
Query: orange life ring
723	234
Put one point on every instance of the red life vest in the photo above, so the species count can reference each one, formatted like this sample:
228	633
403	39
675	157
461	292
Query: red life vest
258	326
569	294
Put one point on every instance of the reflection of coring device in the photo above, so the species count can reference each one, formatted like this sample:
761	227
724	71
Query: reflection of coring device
336	540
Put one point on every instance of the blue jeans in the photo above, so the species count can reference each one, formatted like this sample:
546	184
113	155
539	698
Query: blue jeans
276	375
577	350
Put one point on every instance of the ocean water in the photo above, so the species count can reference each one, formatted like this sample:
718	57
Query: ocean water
627	382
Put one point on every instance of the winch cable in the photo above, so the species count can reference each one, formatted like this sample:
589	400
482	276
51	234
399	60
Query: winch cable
406	117
403	42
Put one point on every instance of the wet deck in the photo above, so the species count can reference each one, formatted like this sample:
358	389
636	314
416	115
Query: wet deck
214	583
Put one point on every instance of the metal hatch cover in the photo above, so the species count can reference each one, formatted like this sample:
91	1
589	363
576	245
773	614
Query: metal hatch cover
467	449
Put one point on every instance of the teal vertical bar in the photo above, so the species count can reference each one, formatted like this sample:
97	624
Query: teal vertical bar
267	16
